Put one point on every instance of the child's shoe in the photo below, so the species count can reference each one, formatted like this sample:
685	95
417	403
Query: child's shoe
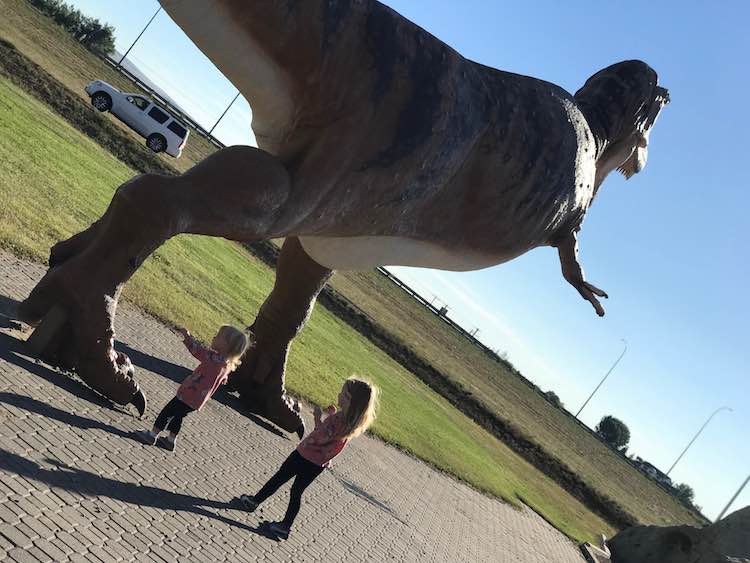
146	436
279	529
249	503
168	443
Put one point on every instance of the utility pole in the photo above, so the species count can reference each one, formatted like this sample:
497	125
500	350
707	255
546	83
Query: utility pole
606	375
139	36
225	112
697	434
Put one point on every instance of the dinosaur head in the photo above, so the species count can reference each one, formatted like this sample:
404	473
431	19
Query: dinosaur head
637	142
621	104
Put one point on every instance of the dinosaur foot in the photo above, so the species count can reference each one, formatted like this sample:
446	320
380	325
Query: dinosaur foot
266	398
277	408
74	330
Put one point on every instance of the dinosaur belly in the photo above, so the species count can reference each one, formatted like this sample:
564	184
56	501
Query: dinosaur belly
368	252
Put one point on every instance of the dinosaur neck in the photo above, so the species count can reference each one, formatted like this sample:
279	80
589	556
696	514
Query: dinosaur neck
599	127
613	145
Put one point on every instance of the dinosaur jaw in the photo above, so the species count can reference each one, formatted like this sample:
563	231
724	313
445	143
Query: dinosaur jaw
635	163
628	156
637	160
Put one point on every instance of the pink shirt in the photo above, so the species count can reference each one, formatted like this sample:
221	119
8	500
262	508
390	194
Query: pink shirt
200	385
325	442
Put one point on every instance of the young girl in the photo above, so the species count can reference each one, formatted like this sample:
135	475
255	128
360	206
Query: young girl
357	401
216	364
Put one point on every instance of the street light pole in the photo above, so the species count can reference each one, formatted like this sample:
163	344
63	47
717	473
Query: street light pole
698	434
139	36
225	112
606	375
733	498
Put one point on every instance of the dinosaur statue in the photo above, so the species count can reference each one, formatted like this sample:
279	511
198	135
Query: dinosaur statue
378	145
726	541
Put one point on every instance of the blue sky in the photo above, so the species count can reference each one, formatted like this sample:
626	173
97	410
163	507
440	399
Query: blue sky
666	245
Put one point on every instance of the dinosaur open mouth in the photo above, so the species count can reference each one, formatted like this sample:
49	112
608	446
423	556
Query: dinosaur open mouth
635	163
625	171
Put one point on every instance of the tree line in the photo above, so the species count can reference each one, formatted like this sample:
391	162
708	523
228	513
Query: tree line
90	32
616	433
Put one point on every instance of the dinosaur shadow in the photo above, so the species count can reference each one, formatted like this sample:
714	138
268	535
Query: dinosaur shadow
358	491
13	349
178	373
48	411
89	484
8	308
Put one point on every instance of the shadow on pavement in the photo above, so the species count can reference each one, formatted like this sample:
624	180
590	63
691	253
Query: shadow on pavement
262	529
166	369
90	484
87	483
178	373
8	313
8	306
38	407
358	491
12	350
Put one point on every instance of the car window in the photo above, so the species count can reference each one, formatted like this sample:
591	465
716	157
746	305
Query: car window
177	129
140	103
158	115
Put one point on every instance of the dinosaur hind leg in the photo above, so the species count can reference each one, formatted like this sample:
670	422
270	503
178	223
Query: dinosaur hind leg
68	248
235	194
260	377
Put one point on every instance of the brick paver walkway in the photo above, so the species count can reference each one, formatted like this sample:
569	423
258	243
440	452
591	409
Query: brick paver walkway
74	486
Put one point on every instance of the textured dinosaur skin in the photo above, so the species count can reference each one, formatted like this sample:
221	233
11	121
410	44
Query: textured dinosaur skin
378	145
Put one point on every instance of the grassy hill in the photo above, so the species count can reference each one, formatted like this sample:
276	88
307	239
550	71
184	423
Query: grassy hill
495	386
48	45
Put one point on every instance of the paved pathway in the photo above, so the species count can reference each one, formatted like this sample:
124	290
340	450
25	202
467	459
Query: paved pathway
74	486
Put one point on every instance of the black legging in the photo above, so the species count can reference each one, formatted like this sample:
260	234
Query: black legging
170	417
304	472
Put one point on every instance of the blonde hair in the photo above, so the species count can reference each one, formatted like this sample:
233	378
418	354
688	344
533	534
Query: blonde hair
363	402
236	343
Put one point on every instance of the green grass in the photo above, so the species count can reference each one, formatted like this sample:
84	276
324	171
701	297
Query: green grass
505	393
52	48
54	182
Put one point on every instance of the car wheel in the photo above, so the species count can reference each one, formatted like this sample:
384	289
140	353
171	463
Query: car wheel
156	143
101	101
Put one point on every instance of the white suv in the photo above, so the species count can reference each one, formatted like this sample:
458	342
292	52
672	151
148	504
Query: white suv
163	133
